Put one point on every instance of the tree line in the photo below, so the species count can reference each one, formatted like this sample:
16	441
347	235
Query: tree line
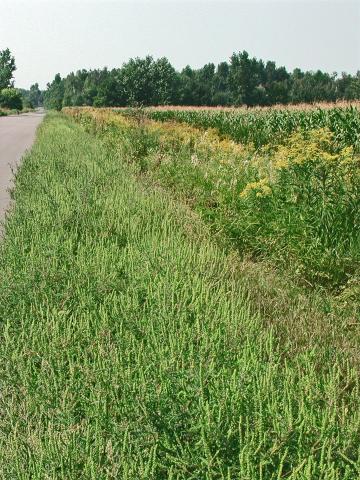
241	81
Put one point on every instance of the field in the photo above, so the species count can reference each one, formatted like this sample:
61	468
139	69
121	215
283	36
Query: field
180	297
258	126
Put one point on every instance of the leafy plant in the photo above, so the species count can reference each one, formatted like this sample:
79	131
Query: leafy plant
11	98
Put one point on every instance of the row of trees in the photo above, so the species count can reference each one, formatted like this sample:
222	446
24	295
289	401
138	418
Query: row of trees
241	81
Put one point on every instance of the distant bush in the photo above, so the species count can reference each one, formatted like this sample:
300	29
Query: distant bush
11	98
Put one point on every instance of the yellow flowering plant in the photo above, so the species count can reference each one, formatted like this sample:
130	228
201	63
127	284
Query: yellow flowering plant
295	199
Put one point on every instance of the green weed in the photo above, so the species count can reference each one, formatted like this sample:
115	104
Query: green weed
129	349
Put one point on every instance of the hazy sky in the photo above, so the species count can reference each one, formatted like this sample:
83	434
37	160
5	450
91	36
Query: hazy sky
50	36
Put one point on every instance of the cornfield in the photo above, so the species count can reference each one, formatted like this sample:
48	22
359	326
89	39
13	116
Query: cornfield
262	126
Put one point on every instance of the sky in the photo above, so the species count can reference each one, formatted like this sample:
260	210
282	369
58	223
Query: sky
51	36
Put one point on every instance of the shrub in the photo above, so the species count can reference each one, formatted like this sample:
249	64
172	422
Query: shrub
11	98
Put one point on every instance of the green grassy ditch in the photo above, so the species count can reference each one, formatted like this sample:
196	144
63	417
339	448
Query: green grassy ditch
130	346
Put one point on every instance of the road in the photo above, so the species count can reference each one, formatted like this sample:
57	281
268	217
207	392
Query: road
17	134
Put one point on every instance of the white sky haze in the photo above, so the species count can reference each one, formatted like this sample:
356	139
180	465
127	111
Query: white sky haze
53	36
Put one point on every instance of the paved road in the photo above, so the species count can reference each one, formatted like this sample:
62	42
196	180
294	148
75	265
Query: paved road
17	134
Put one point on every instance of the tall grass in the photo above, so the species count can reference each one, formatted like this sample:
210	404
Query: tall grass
297	203
128	347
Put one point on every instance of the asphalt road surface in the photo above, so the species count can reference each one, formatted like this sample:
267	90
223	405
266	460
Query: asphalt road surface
17	134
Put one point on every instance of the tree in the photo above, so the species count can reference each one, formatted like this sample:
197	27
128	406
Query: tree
205	77
136	77
90	88
7	69
164	82
35	96
11	98
109	90
222	94
55	93
244	78
348	87
276	84
74	88
187	83
312	87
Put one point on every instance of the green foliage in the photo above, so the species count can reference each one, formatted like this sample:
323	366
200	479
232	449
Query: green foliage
138	82
32	98
309	214
128	347
245	79
35	96
313	87
7	68
11	98
136	78
54	95
242	81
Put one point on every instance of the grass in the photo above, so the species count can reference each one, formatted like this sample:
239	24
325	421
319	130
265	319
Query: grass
5	112
130	348
295	204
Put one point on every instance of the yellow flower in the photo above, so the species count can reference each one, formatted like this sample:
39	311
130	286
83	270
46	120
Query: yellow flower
281	162
260	188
